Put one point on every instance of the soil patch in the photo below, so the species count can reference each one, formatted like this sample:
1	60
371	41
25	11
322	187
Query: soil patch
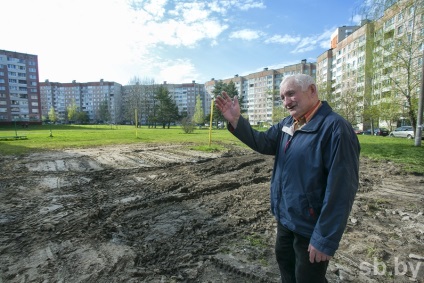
166	213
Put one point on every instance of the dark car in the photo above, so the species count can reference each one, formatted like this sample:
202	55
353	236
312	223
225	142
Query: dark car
381	132
377	132
367	132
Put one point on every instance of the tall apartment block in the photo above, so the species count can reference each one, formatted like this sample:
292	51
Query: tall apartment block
88	97
19	89
370	65
185	96
260	91
343	72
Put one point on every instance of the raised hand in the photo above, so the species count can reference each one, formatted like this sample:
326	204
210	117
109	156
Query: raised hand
229	108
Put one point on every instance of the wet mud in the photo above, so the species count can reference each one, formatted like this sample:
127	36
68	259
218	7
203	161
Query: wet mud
165	213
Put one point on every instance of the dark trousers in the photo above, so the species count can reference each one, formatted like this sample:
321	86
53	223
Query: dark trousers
291	251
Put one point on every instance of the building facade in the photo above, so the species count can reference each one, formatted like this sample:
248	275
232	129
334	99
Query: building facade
185	96
260	91
88	97
19	89
372	75
142	98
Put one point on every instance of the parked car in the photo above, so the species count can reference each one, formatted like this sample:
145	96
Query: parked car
377	132
357	131
403	132
381	132
367	132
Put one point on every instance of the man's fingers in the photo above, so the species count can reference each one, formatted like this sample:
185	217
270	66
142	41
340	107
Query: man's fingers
312	256
317	256
224	95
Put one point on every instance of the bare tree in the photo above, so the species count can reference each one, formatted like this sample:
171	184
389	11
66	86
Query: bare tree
139	94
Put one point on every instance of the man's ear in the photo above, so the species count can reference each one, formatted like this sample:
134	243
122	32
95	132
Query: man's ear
313	89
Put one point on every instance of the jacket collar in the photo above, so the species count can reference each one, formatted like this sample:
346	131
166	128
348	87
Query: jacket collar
316	120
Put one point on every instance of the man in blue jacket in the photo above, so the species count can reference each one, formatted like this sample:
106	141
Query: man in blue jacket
315	176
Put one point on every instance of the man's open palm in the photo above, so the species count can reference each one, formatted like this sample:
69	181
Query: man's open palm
229	108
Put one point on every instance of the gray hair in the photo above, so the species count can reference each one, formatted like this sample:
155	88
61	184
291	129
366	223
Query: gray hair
304	81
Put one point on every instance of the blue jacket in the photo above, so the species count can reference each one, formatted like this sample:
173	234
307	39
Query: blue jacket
315	176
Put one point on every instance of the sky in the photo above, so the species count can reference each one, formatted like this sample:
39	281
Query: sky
176	41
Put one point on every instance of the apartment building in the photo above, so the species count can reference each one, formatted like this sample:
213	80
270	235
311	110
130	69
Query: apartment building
343	72
365	72
341	33
19	89
88	97
259	91
142	97
185	96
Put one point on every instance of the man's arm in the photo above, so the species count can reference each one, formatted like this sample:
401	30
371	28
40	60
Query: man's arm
342	163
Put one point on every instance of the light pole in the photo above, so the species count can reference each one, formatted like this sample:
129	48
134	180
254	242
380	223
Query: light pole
210	122
418	130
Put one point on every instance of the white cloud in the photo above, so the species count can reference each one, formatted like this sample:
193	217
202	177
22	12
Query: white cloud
246	34
356	19
175	33
186	25
179	71
251	5
285	39
149	9
311	42
223	6
191	12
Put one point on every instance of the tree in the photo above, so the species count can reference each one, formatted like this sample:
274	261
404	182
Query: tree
166	109
348	105
82	117
218	89
52	115
187	125
140	95
372	114
390	112
199	116
407	51
104	113
231	90
324	92
279	113
72	110
397	73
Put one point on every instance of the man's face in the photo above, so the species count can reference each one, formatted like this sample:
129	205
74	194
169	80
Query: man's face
296	101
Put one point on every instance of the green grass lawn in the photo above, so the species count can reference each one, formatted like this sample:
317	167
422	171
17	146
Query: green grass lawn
397	150
79	136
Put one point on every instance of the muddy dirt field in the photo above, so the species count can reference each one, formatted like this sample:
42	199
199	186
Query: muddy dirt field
165	213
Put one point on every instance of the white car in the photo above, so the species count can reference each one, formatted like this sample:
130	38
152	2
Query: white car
403	132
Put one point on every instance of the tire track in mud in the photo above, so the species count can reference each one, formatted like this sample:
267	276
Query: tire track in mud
171	217
143	215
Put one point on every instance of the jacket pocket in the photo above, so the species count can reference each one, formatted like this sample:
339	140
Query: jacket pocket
314	205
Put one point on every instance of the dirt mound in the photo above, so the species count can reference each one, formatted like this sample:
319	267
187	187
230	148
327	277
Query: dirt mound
169	214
